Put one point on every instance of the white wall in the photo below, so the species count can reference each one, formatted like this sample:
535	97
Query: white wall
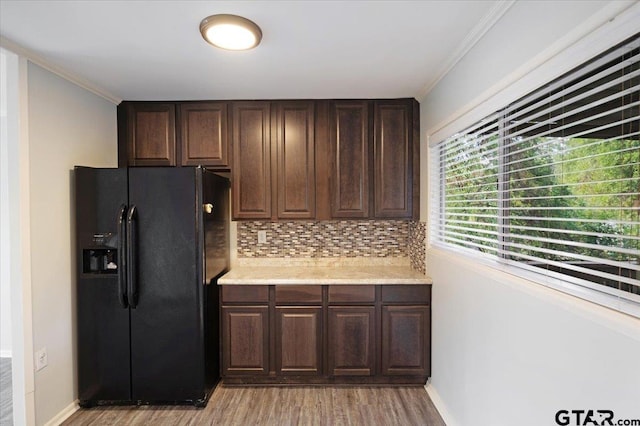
507	351
67	126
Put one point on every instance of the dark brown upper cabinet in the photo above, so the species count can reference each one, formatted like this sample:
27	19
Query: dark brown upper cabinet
251	170
349	151
149	136
374	159
273	180
295	160
173	134
203	134
302	159
393	159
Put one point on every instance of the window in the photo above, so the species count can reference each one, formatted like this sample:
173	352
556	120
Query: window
551	183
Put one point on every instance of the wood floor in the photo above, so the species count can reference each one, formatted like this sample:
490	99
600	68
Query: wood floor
281	406
6	403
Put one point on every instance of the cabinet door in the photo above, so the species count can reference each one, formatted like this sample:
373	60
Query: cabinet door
351	341
349	158
203	134
393	159
251	173
151	134
295	159
299	340
406	340
245	340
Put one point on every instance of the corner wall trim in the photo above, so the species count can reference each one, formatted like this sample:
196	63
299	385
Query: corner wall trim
472	38
40	61
64	414
606	28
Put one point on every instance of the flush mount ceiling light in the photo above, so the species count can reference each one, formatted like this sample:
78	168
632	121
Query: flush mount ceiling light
230	32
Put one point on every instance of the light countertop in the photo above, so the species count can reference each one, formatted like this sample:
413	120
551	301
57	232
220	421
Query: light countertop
323	272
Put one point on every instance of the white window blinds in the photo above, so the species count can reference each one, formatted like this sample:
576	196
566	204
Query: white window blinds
551	183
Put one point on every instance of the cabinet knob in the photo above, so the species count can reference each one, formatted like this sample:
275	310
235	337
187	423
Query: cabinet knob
208	208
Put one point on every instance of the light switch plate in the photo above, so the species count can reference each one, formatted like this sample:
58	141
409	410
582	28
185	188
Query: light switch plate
41	359
262	237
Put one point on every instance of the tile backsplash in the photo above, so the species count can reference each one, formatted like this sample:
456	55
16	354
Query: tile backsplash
340	238
417	245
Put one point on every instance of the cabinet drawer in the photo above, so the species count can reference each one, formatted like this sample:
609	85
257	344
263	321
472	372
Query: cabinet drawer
352	294
244	293
298	294
406	293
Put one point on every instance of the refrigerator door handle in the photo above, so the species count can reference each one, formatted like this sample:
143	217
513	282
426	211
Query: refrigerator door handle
132	248
122	258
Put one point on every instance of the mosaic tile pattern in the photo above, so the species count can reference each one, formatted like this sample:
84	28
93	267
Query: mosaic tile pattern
309	239
416	243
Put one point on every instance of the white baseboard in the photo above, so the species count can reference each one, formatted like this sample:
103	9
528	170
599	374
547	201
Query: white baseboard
5	354
64	414
440	406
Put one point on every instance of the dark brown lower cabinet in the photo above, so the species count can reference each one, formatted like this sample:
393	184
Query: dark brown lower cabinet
350	347
298	340
405	340
245	339
357	334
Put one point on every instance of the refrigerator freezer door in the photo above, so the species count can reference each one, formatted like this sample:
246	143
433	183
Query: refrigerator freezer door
102	321
167	353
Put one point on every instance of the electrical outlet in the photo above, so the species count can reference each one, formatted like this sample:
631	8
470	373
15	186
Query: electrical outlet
41	359
262	237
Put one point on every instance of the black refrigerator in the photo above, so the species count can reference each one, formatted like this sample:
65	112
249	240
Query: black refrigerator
151	242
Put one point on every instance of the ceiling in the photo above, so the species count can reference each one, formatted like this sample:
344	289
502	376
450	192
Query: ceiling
152	50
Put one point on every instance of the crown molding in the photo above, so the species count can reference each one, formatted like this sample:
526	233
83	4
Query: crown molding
473	37
611	25
37	59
